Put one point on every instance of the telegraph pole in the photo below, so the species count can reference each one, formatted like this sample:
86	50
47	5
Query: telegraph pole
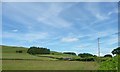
98	47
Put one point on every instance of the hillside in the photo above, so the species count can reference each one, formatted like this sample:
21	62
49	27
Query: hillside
24	61
12	49
9	52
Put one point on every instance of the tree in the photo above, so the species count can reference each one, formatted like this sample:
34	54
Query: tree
94	55
31	50
70	53
20	51
85	55
116	51
38	50
107	55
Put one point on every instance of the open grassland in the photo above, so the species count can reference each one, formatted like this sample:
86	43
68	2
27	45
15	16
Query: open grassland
48	65
24	61
17	56
60	56
9	53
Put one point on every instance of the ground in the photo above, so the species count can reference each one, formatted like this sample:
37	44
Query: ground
48	65
24	61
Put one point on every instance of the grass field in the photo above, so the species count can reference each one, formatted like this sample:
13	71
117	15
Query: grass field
47	65
9	52
24	61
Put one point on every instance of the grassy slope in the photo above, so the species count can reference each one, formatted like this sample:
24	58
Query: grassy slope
9	52
40	63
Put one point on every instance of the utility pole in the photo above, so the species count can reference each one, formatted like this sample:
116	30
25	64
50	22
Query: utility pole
99	47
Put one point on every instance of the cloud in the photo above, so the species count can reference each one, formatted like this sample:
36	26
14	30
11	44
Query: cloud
83	46
97	15
56	22
26	36
112	40
95	10
113	11
51	16
69	39
15	30
109	41
101	17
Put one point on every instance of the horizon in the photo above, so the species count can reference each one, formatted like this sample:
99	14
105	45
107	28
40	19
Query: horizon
61	26
59	51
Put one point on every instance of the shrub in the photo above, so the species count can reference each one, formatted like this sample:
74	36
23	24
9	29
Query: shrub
70	53
20	51
86	59
83	55
107	55
38	50
109	64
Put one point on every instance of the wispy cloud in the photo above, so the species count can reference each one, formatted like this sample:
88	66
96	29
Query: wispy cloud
101	17
82	46
69	39
112	12
112	40
51	16
15	30
26	37
56	22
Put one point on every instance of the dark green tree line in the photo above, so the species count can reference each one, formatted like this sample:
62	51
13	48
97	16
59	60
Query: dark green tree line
70	53
38	50
83	55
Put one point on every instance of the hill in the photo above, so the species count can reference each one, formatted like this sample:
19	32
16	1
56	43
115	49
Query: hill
24	61
9	52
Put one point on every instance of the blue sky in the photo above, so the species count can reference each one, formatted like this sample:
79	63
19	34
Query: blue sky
61	26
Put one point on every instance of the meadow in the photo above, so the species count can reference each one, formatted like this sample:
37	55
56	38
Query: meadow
24	61
47	65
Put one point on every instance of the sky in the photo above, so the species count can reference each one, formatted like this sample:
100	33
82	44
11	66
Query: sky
60	0
61	26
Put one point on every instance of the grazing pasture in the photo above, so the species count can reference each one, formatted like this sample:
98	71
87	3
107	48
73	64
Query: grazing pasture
48	65
24	61
12	59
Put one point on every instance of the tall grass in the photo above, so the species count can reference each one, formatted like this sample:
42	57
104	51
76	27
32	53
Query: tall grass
109	64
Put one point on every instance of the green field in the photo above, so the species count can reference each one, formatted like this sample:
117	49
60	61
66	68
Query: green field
23	61
47	65
9	52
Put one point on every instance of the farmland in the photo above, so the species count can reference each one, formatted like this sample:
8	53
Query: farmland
25	61
47	65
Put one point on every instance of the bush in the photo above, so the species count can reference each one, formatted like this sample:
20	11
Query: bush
108	55
109	64
70	53
83	55
86	59
20	51
38	50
